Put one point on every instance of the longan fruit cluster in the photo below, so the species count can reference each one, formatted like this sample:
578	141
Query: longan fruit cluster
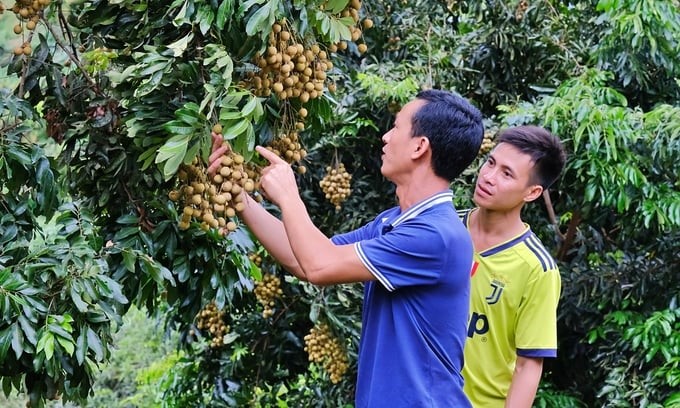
336	184
211	319
214	202
322	347
267	291
352	10
521	9
287	146
28	12
487	143
288	69
255	258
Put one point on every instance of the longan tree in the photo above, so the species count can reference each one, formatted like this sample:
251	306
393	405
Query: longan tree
106	203
132	96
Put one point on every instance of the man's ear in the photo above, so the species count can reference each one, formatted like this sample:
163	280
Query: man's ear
421	146
534	191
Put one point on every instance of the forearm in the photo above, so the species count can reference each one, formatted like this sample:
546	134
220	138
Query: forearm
270	231
313	251
525	382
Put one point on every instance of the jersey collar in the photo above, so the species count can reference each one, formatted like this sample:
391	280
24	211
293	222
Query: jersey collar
413	211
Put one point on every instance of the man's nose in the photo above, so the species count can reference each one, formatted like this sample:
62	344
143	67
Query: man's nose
385	136
489	176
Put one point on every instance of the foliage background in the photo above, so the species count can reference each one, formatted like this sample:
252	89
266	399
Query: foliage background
80	175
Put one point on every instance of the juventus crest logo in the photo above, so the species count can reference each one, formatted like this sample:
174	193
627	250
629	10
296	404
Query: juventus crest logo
496	291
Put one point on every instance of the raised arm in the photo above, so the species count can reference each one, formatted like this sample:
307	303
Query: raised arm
321	261
270	232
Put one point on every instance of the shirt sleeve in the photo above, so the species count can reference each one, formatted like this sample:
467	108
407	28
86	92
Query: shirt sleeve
410	254
536	333
360	234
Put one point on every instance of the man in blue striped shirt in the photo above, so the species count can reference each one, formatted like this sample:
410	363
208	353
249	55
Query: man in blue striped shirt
414	259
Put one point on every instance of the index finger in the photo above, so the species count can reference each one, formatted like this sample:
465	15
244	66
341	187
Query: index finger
269	155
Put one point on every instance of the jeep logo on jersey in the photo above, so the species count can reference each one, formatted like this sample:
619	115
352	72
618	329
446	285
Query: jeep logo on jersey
479	324
496	291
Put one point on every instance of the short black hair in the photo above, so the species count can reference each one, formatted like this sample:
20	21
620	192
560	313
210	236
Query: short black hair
546	151
454	128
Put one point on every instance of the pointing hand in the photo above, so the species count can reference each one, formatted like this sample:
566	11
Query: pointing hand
278	180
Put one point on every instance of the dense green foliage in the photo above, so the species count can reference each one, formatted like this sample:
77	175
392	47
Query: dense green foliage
117	97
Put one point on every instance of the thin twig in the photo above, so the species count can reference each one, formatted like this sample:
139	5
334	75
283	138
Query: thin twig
72	56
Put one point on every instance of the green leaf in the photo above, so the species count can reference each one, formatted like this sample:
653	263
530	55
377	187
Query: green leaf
81	347
19	156
95	344
236	129
339	29
190	114
172	153
77	300
227	115
178	128
28	329
336	6
58	330
46	345
5	342
129	260
155	68
205	16
262	19
17	341
224	12
66	344
249	107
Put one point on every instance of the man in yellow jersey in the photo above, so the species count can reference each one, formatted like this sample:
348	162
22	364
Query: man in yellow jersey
515	285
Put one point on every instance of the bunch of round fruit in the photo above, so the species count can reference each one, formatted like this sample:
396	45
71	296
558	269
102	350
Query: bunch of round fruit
336	184
28	12
325	349
288	68
287	146
211	320
255	258
487	143
267	291
521	9
214	201
352	11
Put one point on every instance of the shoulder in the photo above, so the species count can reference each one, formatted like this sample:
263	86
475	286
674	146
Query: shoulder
464	215
535	253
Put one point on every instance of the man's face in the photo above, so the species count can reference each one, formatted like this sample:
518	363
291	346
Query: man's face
503	182
399	146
